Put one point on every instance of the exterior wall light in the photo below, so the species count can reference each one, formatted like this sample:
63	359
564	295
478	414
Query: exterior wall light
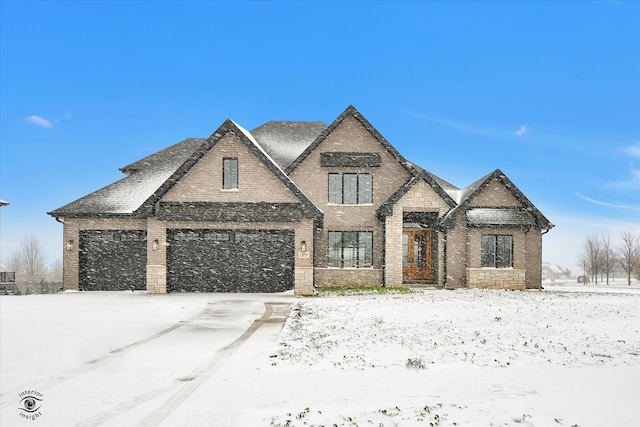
69	245
154	245
303	246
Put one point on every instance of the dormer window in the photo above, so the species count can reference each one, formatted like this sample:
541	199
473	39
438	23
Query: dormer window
230	174
350	188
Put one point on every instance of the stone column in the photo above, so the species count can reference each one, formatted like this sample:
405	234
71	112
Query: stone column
156	257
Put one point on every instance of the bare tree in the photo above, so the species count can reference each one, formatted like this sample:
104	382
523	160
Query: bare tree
593	256
608	256
15	264
629	251
31	258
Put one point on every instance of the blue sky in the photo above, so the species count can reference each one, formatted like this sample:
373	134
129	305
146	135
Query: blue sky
549	92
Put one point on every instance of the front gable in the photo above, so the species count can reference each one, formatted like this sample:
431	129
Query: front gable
264	192
494	201
203	182
350	145
495	194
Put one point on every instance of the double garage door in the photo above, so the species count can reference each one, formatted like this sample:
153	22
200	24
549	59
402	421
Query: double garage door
230	260
197	260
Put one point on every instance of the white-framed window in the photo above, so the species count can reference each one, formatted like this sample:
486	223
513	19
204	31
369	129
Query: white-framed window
497	251
350	249
350	188
229	173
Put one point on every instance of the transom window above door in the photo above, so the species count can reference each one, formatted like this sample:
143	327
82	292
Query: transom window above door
350	188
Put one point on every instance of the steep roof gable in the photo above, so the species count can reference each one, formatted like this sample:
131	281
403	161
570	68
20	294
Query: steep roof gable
229	126
350	111
421	175
468	194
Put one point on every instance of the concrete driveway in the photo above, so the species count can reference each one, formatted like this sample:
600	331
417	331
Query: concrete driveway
145	382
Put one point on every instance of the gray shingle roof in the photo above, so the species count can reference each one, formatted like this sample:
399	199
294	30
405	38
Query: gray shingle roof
174	155
126	196
284	141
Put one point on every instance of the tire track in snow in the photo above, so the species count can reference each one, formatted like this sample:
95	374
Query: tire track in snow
193	380
90	365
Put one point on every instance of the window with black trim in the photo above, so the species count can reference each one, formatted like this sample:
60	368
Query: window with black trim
229	173
350	188
350	249
497	251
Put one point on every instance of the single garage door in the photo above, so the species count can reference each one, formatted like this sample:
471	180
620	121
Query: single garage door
113	260
230	260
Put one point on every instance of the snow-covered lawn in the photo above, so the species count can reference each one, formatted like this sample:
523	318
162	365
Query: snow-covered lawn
558	357
565	356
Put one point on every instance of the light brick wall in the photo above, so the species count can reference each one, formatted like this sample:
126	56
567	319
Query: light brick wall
533	259
203	182
312	179
456	255
495	195
496	278
420	198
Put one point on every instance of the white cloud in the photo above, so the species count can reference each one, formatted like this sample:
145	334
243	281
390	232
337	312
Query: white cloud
523	129
611	205
68	115
38	121
632	150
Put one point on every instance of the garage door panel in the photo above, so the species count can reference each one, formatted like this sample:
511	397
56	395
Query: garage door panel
112	260
230	261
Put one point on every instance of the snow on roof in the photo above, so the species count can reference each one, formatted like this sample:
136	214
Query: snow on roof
553	267
128	194
285	141
499	216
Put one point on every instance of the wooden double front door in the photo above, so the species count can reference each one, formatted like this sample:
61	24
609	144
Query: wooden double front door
417	255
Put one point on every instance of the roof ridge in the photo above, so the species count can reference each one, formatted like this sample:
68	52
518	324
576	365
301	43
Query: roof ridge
350	110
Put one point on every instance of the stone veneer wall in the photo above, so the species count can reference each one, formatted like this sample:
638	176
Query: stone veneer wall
496	278
326	277
303	281
156	279
420	198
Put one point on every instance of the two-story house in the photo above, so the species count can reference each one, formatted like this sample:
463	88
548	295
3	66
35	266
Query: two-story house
297	205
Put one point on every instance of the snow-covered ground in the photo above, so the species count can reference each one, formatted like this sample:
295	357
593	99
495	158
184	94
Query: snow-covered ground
565	356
